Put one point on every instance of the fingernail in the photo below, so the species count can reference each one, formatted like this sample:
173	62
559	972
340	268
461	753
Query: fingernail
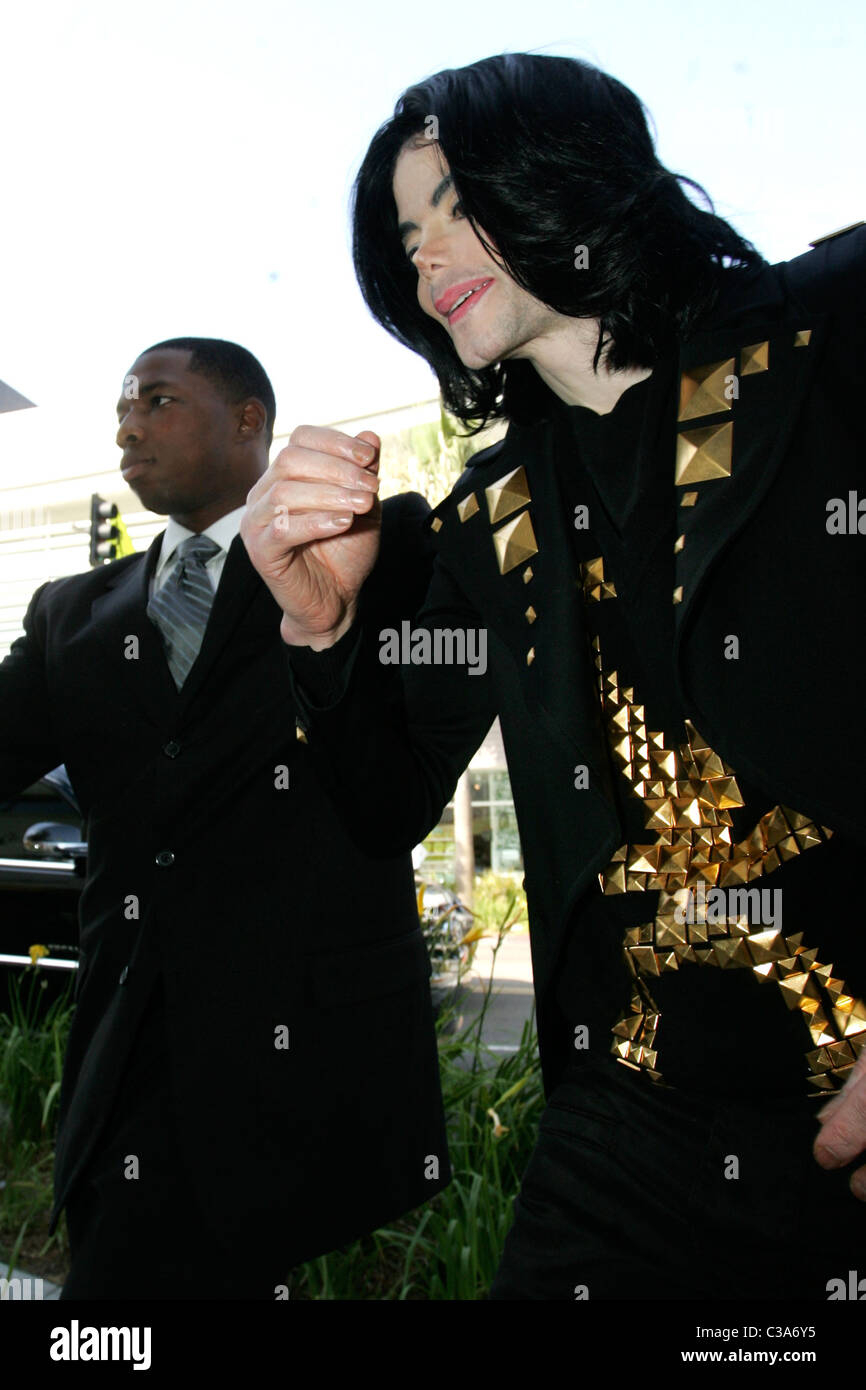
827	1157
358	499
338	520
364	452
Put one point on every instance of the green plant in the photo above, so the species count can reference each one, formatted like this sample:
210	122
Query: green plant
498	899
32	1046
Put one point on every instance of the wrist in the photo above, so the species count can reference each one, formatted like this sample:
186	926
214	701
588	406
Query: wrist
295	635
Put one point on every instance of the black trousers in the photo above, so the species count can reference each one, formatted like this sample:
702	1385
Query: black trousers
135	1228
636	1191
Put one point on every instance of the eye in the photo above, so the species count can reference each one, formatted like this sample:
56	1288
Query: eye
155	400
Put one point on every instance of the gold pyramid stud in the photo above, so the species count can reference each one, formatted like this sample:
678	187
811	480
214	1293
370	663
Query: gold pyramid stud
679	544
593	571
468	507
801	339
527	574
689	499
530	656
507	494
703	454
702	389
531	614
678	594
436	524
755	358
515	542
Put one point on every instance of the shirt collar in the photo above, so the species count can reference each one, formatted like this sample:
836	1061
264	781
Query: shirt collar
223	531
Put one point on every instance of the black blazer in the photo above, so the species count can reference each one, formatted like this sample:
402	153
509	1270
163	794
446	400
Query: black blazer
248	898
756	561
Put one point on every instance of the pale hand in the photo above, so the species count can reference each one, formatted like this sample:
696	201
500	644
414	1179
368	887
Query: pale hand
843	1127
311	529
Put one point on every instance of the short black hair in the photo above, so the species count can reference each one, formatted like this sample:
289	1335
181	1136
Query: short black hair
547	155
235	373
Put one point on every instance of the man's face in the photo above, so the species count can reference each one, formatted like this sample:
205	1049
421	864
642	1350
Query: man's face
177	435
498	319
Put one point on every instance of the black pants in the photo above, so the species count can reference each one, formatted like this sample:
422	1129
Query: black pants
635	1191
143	1237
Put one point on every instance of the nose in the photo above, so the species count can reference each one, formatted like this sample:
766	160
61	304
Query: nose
432	254
129	429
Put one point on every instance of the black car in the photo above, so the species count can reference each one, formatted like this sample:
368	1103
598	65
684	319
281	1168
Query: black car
42	860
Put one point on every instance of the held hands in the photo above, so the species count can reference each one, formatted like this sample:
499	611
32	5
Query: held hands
311	529
843	1127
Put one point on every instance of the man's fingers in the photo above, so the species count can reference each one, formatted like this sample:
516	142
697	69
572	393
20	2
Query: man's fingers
361	450
284	531
299	499
296	496
843	1131
368	437
858	1184
305	465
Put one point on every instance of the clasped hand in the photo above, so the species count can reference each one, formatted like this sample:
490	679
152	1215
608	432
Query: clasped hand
311	529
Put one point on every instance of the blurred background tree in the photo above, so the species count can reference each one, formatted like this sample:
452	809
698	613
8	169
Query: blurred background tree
429	458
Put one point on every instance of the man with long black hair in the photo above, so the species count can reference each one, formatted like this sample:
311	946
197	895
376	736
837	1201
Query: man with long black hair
664	552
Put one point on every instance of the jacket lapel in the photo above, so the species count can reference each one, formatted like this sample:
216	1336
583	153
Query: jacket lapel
126	641
741	392
504	535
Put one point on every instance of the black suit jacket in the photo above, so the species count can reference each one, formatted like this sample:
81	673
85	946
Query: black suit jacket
248	898
756	561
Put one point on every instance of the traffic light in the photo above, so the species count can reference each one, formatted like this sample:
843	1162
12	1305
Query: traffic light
103	535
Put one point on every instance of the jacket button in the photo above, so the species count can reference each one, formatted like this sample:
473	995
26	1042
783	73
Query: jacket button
165	859
172	748
123	975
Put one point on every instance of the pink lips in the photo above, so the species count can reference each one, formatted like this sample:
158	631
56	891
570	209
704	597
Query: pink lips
444	305
134	468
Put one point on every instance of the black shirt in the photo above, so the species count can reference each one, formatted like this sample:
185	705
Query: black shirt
720	1030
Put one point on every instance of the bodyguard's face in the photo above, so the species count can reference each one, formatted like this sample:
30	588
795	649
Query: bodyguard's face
179	441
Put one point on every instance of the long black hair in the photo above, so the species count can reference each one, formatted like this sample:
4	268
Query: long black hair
548	155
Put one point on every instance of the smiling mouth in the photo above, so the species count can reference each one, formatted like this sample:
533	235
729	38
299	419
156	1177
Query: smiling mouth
467	301
457	295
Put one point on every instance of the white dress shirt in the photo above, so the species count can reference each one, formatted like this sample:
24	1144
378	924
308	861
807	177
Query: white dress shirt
222	532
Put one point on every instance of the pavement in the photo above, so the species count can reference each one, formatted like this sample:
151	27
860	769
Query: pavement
512	993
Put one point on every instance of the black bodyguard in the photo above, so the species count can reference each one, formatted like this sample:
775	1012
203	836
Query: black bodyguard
672	620
251	1077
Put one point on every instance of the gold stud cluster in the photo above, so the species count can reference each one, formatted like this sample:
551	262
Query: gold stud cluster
689	793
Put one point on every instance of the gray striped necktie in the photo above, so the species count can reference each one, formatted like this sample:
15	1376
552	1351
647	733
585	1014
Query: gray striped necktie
180	609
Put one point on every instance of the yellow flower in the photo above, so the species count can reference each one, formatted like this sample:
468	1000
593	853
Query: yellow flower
498	1129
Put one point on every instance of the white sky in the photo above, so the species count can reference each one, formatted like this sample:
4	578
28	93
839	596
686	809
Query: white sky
178	167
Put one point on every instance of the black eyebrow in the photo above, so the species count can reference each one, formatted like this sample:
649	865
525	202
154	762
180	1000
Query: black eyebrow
144	391
435	199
